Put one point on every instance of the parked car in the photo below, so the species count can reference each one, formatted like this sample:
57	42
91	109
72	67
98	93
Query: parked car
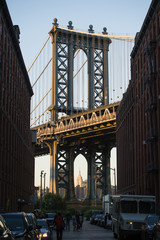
19	224
147	228
5	232
94	214
96	219
36	227
51	223
156	230
99	219
102	223
50	215
45	230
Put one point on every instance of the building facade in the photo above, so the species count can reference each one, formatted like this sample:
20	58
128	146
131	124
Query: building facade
16	155
125	137
144	158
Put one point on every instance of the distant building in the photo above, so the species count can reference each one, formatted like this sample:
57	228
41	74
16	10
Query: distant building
80	188
138	117
16	153
79	180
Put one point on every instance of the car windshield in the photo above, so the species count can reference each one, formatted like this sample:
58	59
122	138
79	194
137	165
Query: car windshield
128	206
30	219
14	222
146	207
42	223
51	215
152	220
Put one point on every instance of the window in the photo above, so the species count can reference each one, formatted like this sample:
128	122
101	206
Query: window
147	207
0	61
128	207
159	25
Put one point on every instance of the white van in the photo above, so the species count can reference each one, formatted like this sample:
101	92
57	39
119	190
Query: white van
129	212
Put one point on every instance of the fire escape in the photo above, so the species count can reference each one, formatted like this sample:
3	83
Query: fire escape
150	112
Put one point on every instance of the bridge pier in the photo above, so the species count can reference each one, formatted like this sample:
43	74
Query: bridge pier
71	192
91	190
106	166
62	171
53	167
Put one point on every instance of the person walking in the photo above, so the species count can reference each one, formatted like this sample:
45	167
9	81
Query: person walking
74	223
68	218
78	222
81	221
59	226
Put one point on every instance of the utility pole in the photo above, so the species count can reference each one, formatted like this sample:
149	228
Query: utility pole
41	189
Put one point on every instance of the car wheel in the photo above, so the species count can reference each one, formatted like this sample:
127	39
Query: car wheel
146	236
115	235
120	236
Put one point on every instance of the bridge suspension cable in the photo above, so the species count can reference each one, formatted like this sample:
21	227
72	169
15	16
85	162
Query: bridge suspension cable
38	54
119	67
122	38
42	72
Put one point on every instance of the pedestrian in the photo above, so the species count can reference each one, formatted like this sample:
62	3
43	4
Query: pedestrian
105	222
68	218
81	221
74	223
59	226
78	222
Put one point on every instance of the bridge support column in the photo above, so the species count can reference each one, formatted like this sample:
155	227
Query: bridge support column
106	167
105	78
71	192
53	168
70	75
91	176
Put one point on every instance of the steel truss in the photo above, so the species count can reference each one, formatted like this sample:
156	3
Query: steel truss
63	151
65	44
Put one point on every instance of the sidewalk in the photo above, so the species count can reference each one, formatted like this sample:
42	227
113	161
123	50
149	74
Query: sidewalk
88	232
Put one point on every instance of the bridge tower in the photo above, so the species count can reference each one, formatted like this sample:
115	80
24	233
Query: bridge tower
65	43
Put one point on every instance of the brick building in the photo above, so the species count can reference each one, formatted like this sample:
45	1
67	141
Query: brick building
16	156
125	146
140	154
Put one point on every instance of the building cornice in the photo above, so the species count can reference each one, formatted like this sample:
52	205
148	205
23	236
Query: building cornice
140	35
6	14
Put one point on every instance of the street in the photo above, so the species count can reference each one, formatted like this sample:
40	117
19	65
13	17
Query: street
88	232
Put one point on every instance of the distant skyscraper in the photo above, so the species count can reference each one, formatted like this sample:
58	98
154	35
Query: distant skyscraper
80	189
79	180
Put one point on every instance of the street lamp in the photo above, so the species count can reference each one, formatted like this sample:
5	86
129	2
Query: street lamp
44	182
95	178
41	189
114	178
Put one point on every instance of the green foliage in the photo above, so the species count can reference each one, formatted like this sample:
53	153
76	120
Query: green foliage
70	210
53	203
37	204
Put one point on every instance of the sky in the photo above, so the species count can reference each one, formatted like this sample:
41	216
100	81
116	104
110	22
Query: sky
35	18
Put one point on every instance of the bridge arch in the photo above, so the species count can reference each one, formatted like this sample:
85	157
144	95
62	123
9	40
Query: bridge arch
80	176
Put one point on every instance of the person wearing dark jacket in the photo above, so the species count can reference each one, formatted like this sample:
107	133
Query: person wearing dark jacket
59	226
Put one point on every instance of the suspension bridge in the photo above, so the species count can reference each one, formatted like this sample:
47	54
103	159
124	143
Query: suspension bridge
78	79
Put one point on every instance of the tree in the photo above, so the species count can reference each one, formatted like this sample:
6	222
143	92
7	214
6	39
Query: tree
53	203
